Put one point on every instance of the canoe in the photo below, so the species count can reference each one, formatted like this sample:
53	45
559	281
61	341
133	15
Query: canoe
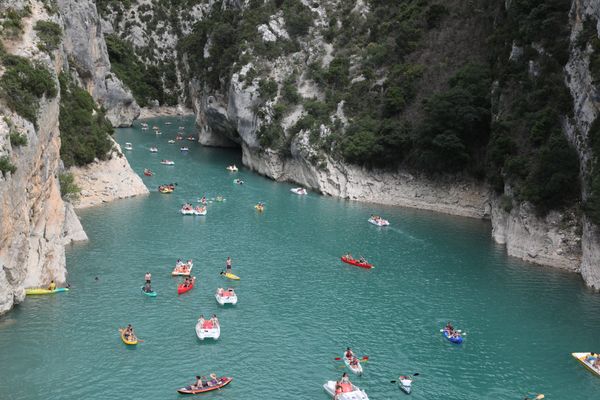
357	263
229	275
211	332
358	369
227	298
182	289
149	294
456	340
355	394
127	342
405	384
586	359
224	381
45	291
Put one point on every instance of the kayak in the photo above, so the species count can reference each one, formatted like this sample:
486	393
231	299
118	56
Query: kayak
357	263
587	359
229	275
208	330
224	381
127	342
149	294
456	340
353	392
357	369
46	291
182	289
226	296
405	384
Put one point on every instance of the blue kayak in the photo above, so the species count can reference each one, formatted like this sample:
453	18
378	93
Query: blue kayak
151	294
457	340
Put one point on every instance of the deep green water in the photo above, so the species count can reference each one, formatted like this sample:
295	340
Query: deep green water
299	306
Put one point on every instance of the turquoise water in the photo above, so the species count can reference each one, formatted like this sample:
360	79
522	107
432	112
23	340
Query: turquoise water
299	306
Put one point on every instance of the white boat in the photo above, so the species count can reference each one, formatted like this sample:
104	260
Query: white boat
167	123
379	221
299	191
128	146
144	126
158	132
184	148
181	128
357	369
405	384
238	181
183	269
193	211
232	168
587	359
155	128
208	330
171	141
227	296
153	149
354	394
167	162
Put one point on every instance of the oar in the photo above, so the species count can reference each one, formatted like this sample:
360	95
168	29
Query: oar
365	358
456	330
415	374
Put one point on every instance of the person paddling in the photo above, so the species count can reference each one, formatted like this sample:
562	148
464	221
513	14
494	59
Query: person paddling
228	265
148	277
52	286
349	354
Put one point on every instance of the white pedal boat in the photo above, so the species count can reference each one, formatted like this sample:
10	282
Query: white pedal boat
379	221
183	148
153	149
226	296
357	369
193	211
128	146
405	384
167	162
208	330
232	168
183	269
355	394
144	126
299	191
171	141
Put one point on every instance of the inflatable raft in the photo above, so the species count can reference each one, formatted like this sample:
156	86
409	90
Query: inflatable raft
457	340
129	342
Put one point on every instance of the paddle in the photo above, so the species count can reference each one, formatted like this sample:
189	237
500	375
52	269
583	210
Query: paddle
365	358
415	374
457	330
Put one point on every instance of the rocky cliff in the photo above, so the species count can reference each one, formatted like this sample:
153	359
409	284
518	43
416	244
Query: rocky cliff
35	222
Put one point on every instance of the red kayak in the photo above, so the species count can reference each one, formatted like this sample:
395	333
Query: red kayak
357	263
224	381
182	289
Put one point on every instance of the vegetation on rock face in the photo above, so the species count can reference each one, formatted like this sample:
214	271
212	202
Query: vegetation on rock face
6	166
17	139
84	129
68	188
23	84
11	24
50	35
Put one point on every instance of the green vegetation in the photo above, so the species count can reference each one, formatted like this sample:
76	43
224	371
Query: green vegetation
68	188
24	84
592	203
145	82
589	36
83	127
11	21
6	166
17	139
49	33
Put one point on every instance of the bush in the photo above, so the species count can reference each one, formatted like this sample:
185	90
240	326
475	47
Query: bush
17	139
6	166
12	24
23	84
267	89
50	35
68	189
84	129
298	18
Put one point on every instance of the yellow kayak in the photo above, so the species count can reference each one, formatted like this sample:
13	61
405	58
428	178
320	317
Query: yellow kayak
229	275
46	291
586	359
128	342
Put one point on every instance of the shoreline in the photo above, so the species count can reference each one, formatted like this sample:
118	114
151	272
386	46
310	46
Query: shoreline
164	111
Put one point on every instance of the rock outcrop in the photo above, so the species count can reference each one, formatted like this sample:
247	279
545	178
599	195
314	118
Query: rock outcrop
85	46
105	181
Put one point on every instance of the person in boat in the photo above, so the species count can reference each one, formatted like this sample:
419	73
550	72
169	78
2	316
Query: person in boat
349	353
198	384
596	363
148	277
342	386
52	286
354	361
203	200
228	265
231	291
201	320
214	381
362	260
449	328
129	334
214	320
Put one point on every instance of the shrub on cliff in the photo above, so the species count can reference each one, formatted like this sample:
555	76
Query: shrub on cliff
6	166
49	33
17	139
24	84
68	188
84	128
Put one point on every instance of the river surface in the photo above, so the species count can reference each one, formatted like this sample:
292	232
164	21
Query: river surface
299	306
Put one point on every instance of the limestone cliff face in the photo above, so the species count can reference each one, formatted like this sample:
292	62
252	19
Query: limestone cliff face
85	46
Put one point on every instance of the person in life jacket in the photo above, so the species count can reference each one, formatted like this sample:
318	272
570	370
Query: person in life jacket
52	286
